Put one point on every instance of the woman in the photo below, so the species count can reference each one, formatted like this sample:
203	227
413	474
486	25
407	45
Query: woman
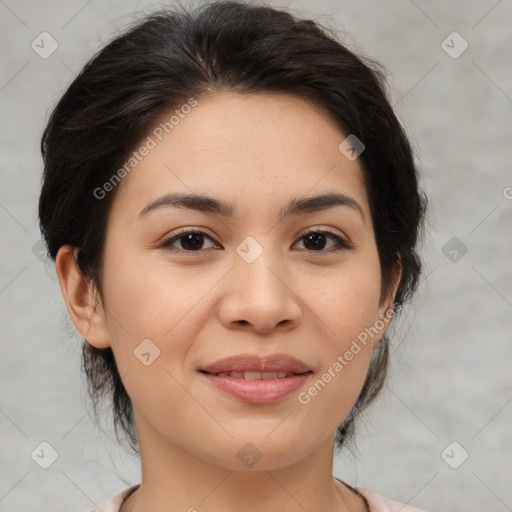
234	213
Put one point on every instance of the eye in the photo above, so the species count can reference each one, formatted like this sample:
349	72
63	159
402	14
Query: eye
192	240
317	240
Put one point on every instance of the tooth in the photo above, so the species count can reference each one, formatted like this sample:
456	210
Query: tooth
252	375
280	375
269	375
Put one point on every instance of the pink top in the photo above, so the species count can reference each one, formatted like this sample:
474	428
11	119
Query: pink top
375	502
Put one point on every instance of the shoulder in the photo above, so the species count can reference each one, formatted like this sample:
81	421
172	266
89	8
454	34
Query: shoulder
380	503
114	503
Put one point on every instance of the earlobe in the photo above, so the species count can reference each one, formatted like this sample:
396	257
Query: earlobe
81	298
386	309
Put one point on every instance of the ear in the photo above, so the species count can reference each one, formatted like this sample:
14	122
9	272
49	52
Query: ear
81	298
386	310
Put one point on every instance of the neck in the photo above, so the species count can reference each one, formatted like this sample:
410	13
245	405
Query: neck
175	479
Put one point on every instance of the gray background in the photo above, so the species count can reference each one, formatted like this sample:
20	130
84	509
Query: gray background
451	364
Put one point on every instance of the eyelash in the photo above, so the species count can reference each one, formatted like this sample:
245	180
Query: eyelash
341	244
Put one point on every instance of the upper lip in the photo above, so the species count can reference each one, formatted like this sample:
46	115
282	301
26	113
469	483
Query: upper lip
255	363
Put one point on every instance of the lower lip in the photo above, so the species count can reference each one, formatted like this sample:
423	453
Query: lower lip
258	391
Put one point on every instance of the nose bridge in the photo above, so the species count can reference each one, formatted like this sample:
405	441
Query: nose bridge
256	266
258	293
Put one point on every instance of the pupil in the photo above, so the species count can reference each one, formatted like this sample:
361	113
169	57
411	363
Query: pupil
314	237
188	238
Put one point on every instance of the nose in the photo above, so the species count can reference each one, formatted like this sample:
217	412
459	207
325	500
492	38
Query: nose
257	297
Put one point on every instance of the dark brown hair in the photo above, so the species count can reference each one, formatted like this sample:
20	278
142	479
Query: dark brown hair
173	55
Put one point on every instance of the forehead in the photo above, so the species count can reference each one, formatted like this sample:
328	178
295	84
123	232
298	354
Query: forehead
252	150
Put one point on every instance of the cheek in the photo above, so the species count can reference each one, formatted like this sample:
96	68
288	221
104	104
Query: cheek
146	300
144	304
348	306
346	299
346	347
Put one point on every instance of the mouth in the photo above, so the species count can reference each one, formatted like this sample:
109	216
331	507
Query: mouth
252	375
257	379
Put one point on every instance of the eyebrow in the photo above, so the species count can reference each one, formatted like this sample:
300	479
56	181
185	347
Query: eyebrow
211	205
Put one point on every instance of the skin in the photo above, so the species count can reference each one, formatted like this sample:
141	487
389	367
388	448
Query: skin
257	152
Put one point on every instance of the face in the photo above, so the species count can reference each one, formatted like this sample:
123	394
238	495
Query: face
252	282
